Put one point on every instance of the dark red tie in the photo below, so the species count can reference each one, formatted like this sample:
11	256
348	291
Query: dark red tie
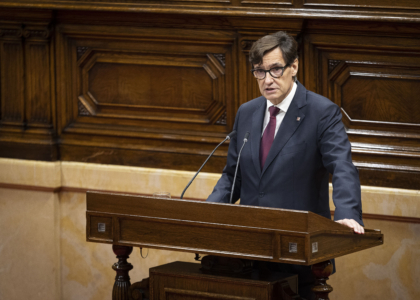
268	136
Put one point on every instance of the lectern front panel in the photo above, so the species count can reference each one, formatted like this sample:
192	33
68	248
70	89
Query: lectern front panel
182	236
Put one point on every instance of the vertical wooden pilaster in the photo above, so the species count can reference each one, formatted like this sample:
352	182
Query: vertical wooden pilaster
12	76
38	100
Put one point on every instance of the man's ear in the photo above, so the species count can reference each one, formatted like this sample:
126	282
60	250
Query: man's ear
295	66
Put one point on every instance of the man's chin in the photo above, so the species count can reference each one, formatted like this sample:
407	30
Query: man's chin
272	99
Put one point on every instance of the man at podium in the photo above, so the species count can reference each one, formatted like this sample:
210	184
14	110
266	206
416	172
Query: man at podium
296	140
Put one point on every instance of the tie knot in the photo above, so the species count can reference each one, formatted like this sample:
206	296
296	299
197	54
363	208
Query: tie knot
274	110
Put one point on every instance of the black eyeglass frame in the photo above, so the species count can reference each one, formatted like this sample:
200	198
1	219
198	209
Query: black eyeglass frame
268	71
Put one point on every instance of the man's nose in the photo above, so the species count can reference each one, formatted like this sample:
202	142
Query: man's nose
268	78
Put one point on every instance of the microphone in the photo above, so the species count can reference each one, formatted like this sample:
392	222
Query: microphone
228	137
237	165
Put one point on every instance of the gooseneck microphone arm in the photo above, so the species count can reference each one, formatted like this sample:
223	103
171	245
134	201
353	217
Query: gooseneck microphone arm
228	137
237	165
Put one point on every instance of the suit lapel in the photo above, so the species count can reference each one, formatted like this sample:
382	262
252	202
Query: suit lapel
292	120
256	129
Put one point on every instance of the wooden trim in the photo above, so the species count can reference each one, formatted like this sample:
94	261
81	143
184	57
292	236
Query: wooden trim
230	11
392	218
29	187
389	218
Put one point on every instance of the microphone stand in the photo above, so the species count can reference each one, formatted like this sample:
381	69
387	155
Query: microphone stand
237	165
228	137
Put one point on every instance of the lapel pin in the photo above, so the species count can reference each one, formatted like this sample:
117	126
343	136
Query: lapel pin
298	119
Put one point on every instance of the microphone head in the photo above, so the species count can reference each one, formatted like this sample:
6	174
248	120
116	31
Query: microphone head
231	135
246	136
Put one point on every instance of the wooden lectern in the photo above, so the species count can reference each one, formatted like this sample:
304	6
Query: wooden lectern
221	230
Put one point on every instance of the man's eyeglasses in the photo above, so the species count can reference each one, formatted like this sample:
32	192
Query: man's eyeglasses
275	72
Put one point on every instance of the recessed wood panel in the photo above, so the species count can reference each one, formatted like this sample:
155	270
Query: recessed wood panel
375	80
12	81
377	98
153	86
380	95
154	79
38	83
158	232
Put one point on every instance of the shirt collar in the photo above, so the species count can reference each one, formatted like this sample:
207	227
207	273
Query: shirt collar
284	105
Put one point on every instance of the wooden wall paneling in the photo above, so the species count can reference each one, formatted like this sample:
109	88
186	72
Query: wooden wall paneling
12	77
39	74
27	85
248	85
111	69
155	89
375	81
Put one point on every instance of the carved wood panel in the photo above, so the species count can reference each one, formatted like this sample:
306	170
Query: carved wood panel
26	86
152	89
153	86
377	91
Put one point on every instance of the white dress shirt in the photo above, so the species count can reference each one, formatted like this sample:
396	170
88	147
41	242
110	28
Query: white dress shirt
283	106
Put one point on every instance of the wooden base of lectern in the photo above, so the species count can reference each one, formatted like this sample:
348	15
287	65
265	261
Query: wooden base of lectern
185	281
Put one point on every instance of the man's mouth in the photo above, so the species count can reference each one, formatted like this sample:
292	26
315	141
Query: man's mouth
269	89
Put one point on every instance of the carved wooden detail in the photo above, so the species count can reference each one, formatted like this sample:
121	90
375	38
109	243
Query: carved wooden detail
36	33
82	109
332	64
222	119
81	51
10	33
221	58
152	87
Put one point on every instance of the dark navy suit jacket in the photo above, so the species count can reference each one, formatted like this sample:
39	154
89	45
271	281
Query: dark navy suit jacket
310	143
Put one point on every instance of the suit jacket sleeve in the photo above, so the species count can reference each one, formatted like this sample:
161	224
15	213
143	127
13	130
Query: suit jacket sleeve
335	149
223	188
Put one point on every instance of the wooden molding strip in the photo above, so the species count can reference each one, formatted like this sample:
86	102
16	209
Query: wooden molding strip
234	11
388	218
29	187
392	218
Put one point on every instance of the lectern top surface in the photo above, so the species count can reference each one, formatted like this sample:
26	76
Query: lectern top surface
215	213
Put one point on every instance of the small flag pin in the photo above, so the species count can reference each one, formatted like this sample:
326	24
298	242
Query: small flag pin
298	119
